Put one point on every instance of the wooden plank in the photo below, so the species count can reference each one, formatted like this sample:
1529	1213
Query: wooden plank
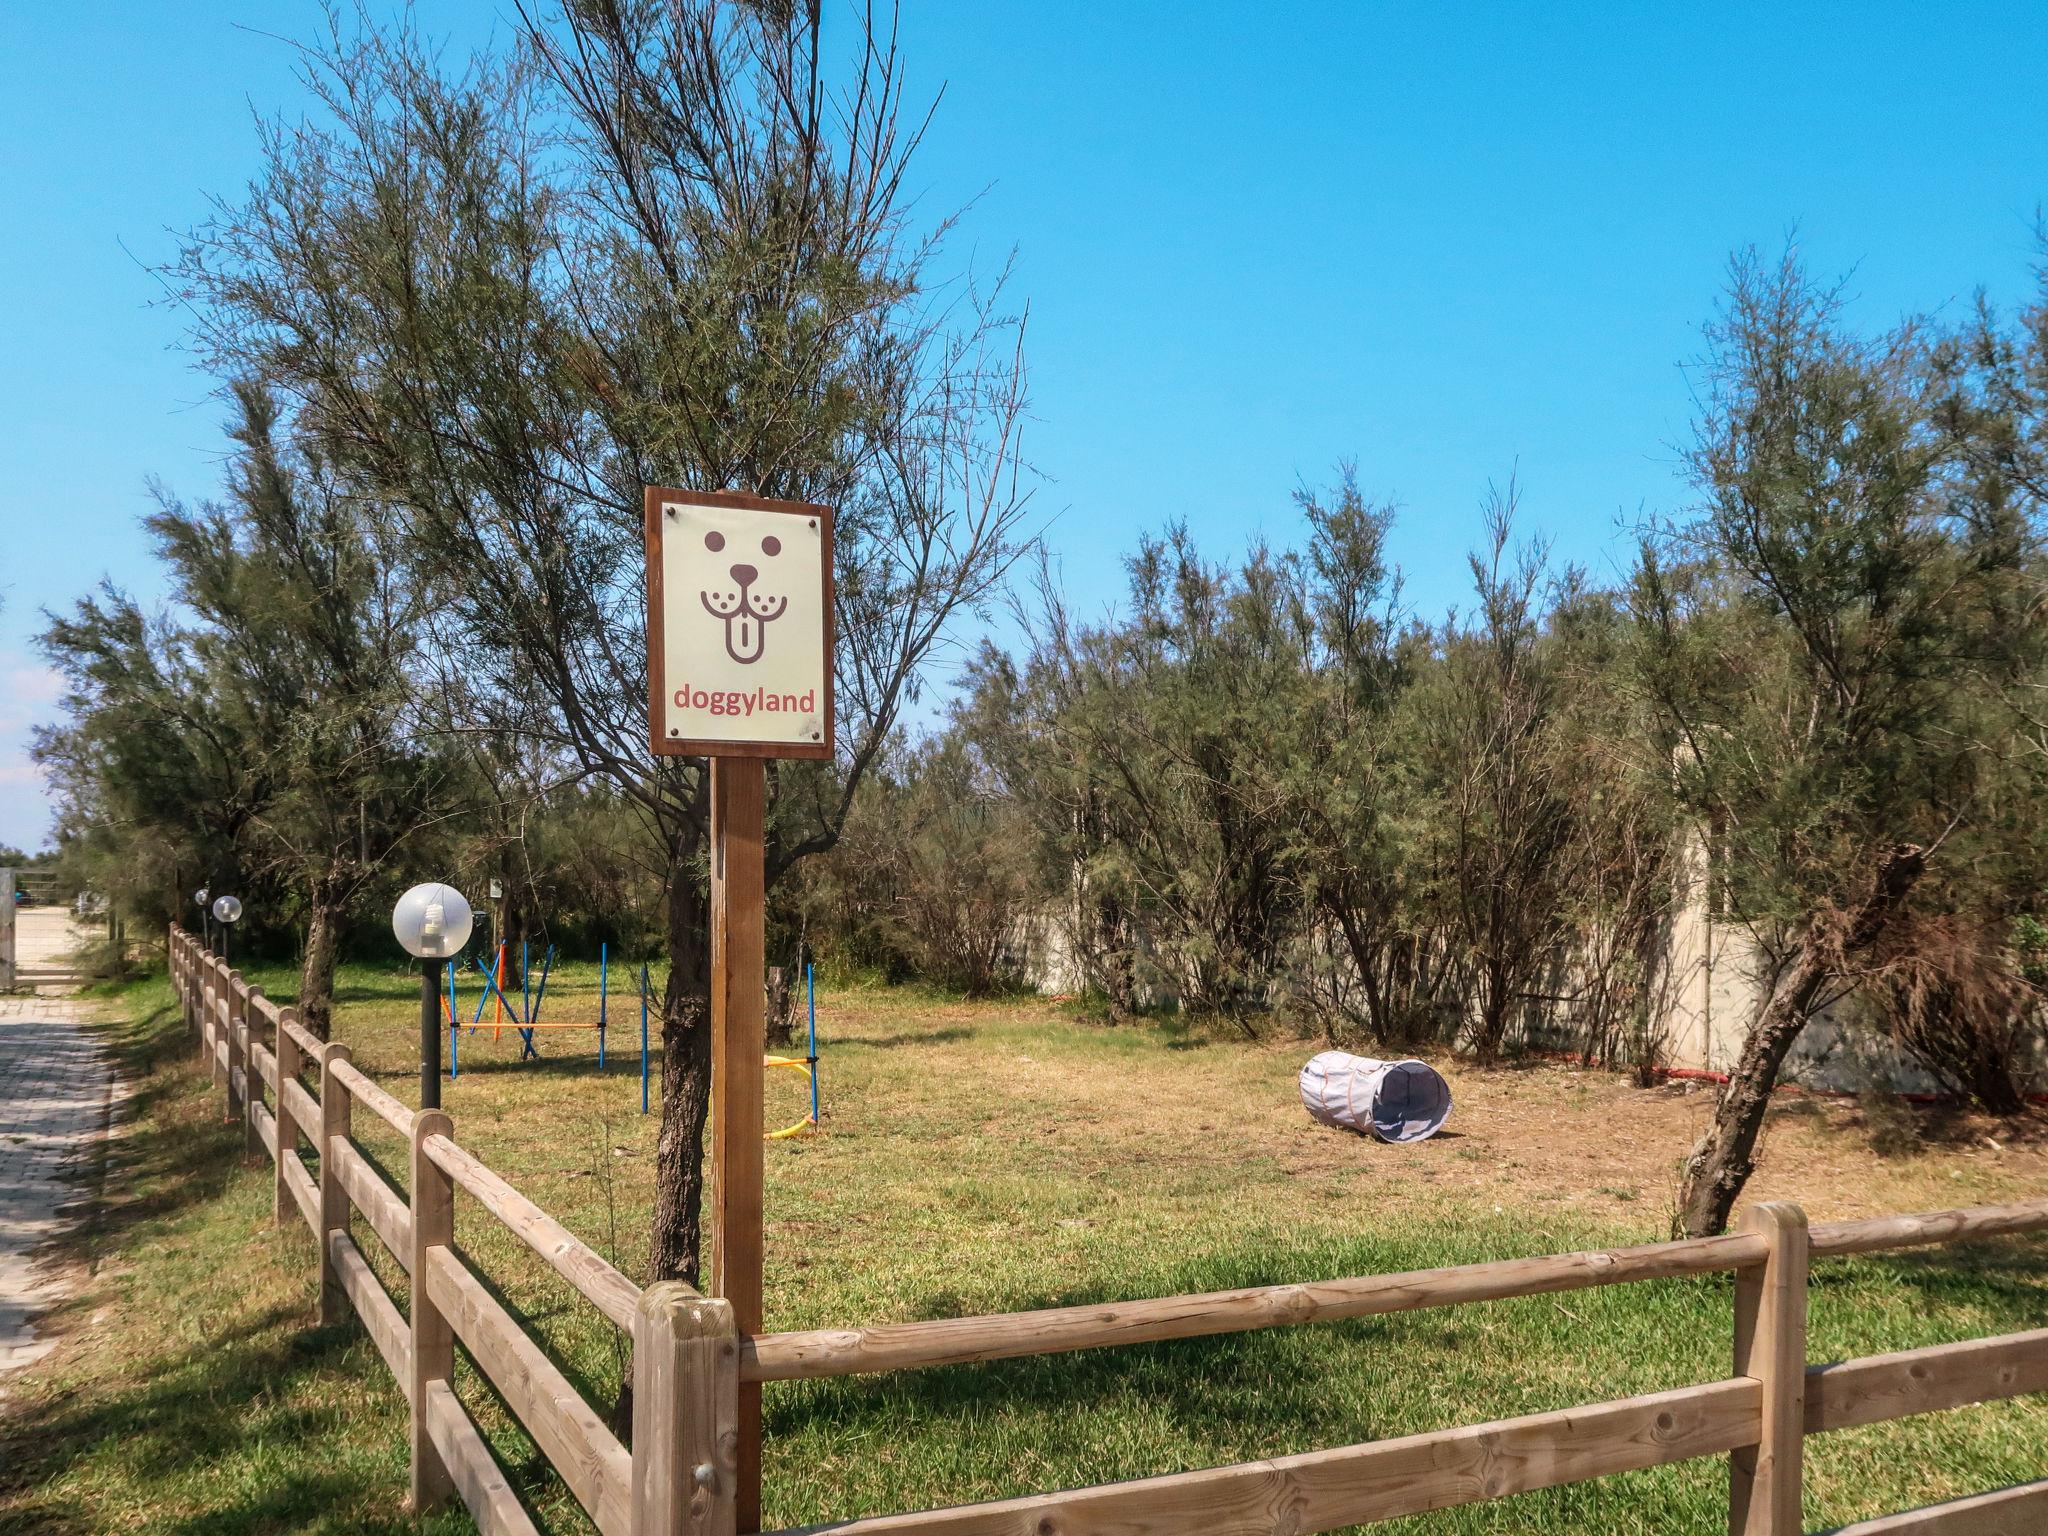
430	1225
309	1042
685	1414
486	1493
571	1435
1880	1233
739	795
373	1304
1379	1480
1005	1335
265	1125
2008	1512
302	1107
382	1206
375	1099
1880	1387
303	1190
266	1064
573	1259
1765	1479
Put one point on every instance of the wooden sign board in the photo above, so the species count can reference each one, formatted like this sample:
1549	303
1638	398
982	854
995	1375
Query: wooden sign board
739	625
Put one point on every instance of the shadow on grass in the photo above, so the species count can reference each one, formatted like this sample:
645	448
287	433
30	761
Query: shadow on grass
951	1035
245	1406
1211	1387
236	1411
2001	1277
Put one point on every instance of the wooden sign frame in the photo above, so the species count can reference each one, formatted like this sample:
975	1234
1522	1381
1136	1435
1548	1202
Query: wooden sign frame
658	740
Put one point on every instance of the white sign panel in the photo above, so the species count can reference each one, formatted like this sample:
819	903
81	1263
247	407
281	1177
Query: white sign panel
739	625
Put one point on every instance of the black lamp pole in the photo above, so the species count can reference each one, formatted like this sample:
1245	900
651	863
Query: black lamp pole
430	1035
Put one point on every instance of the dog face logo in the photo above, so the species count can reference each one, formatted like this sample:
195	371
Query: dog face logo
746	613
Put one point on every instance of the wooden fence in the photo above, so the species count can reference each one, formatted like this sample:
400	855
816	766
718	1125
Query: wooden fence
690	1361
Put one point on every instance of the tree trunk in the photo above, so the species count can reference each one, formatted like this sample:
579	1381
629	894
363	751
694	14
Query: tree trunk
1993	1085
1723	1159
1363	960
323	943
780	1013
675	1243
1721	1162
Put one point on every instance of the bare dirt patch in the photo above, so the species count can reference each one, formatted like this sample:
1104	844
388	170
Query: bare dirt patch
1537	1137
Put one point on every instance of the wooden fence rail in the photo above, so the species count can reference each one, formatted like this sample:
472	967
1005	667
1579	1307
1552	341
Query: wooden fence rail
692	1366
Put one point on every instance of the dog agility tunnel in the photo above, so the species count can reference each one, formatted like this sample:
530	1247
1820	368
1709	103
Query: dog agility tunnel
1393	1100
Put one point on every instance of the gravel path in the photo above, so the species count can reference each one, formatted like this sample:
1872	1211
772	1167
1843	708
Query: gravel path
55	1094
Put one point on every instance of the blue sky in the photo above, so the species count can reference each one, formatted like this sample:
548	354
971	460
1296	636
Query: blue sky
1448	242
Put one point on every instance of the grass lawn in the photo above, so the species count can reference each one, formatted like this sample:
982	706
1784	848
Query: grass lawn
992	1156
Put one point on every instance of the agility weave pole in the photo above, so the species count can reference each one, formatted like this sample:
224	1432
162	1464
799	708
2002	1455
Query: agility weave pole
525	1020
806	1063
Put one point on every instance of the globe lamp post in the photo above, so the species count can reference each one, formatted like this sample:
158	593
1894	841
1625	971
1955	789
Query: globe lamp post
432	922
227	911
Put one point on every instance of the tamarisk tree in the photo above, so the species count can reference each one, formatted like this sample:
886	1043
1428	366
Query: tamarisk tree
261	727
647	244
1817	647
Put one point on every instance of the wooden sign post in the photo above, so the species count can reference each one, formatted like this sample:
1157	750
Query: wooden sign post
739	670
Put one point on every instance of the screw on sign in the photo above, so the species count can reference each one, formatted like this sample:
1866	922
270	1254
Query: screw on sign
739	670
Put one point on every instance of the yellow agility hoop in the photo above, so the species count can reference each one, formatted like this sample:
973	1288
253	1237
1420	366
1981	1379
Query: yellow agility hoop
805	1124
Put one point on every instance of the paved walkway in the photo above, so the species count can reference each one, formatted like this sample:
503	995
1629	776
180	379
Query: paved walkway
44	938
55	1093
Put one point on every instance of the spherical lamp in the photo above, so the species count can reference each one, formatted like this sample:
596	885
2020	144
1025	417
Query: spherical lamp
431	922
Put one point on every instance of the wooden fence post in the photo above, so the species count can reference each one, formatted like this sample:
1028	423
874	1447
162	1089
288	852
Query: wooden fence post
252	1081
290	1059
738	968
334	1124
1765	1480
686	1388
238	1055
176	950
433	1343
211	1039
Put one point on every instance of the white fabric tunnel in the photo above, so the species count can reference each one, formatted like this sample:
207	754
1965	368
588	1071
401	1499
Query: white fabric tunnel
1393	1100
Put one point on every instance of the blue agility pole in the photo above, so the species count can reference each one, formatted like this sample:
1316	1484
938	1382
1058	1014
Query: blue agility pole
811	993
540	995
643	1039
454	1029
490	987
600	1006
533	1007
483	1000
525	988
